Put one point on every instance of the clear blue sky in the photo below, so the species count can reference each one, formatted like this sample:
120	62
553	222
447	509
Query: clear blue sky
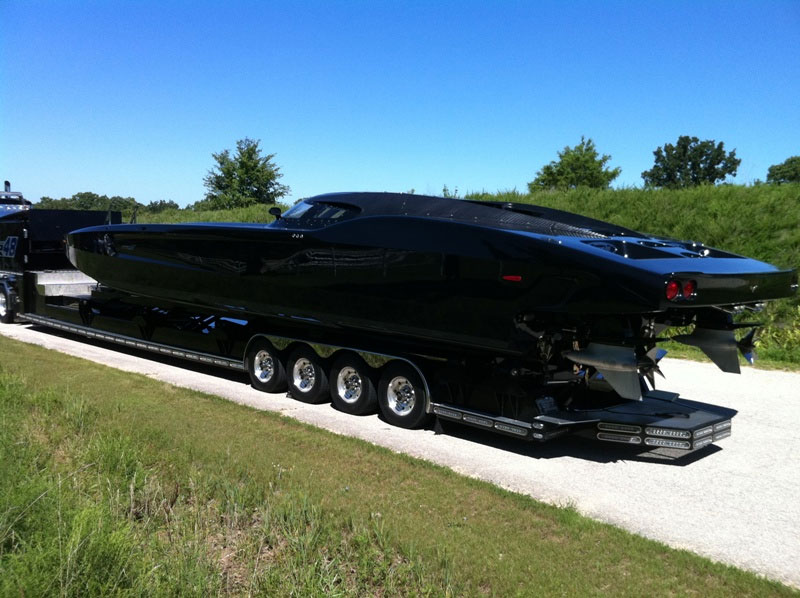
131	98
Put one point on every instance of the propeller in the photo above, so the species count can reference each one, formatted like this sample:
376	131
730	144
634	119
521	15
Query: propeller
747	346
648	365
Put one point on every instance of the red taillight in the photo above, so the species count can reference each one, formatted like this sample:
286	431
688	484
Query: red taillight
689	289
673	290
512	277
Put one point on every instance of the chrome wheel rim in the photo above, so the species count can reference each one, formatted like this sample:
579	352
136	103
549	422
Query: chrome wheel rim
264	366
303	375
348	385
3	305
400	395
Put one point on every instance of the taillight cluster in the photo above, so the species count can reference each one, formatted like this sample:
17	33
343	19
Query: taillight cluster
677	290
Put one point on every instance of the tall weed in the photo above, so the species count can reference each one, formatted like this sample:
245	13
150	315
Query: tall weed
89	511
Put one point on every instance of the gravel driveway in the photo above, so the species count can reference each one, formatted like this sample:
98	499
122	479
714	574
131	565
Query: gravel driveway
737	502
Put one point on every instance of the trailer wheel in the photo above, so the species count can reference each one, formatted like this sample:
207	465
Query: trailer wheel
307	379
266	370
401	396
352	388
6	311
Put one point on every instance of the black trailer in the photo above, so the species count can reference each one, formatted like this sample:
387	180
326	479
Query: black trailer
357	373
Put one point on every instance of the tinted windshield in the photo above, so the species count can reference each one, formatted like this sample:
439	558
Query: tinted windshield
317	214
297	210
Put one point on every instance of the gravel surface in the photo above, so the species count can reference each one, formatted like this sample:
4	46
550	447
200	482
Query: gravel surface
737	502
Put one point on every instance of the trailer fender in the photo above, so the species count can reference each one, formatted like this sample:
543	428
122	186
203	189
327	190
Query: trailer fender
9	300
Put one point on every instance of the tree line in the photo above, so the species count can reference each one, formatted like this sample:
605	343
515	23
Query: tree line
686	163
247	177
86	200
242	179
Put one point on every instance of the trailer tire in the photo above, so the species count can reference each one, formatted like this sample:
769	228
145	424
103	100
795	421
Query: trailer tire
402	396
307	379
6	307
264	365
352	386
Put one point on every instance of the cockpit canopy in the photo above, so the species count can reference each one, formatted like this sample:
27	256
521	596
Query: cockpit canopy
315	213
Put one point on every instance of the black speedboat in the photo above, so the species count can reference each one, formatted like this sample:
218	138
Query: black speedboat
555	290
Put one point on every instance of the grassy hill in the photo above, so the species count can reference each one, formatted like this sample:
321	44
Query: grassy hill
762	222
257	213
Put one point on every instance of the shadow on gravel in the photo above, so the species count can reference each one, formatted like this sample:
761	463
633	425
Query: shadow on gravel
567	446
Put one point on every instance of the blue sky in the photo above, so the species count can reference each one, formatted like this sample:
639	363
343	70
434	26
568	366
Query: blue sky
131	98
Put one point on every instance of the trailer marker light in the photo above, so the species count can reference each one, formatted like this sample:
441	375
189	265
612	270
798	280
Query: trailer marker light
668	432
673	290
478	421
722	426
445	412
703	432
512	277
511	429
618	428
703	442
666	442
623	438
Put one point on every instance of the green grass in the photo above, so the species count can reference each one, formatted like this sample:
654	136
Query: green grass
116	484
257	213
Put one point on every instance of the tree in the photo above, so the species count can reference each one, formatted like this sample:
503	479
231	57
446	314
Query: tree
690	162
578	166
156	207
87	200
245	179
786	172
